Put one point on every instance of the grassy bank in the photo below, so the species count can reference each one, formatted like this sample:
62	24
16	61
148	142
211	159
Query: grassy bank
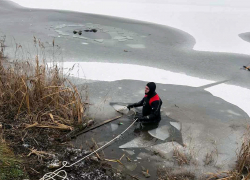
11	167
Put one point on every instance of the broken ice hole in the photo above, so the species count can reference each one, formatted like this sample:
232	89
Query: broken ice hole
86	30
89	33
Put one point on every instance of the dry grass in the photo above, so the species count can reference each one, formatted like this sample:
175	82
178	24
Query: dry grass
210	158
36	95
40	154
174	174
2	46
181	158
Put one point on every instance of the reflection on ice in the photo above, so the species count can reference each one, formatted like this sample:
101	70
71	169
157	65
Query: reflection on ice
130	166
119	37
234	113
60	26
131	153
99	40
114	126
62	33
177	125
75	25
80	37
129	37
123	38
136	46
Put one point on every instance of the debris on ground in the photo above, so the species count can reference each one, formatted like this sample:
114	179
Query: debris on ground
146	174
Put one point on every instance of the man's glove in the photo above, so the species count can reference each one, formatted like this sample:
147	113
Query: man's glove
141	118
137	116
130	106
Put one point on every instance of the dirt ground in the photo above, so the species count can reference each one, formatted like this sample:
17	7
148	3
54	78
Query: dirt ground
41	152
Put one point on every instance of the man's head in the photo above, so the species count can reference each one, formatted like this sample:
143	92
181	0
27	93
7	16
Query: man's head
150	88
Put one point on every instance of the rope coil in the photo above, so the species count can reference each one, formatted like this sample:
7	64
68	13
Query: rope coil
62	174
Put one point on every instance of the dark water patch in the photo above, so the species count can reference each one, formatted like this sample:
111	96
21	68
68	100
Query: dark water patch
167	129
88	33
90	30
132	162
245	36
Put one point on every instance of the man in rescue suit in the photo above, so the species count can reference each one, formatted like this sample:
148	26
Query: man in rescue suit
151	103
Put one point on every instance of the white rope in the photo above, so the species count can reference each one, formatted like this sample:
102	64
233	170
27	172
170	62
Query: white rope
62	174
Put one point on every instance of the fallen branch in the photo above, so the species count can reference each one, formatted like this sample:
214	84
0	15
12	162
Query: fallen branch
93	149
35	170
132	176
40	154
96	147
122	157
59	126
105	122
114	160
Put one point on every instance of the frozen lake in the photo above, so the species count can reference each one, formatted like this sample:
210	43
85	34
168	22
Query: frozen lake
215	25
194	53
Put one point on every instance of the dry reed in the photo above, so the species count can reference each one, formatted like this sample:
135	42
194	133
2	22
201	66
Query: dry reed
181	158
37	95
174	174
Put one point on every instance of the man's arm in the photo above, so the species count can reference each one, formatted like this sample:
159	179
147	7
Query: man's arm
140	103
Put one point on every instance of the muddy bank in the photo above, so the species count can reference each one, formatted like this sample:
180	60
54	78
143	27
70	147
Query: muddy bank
38	151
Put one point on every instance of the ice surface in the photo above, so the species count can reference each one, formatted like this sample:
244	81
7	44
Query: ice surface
130	38
161	133
213	19
131	153
62	33
136	46
177	125
138	142
91	70
120	108
130	166
103	32
99	40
